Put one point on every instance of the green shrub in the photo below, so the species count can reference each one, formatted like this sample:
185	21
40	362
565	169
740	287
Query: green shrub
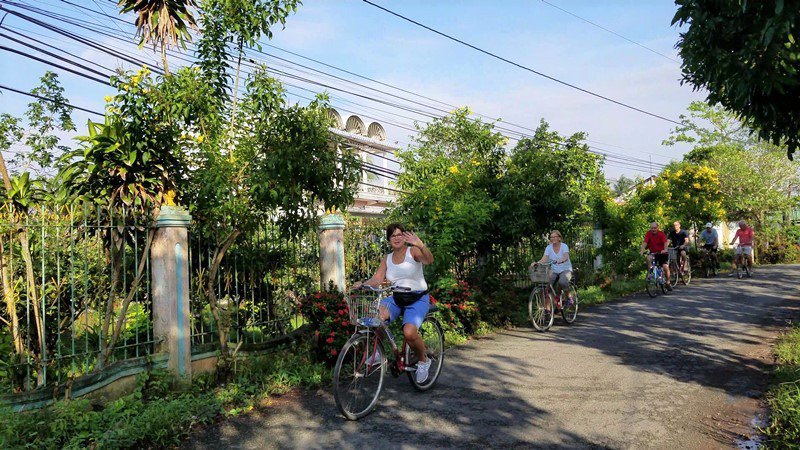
784	397
780	252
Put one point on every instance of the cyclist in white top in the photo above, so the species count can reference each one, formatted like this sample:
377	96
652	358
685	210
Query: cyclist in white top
403	268
561	269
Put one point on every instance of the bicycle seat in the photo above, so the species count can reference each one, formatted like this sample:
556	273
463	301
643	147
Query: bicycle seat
433	309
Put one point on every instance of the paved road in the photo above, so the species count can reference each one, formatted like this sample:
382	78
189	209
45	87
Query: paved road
684	370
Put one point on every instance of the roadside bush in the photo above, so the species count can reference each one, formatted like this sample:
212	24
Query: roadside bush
328	315
457	307
780	252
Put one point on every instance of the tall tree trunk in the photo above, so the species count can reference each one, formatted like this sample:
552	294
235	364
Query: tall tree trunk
112	342
116	264
10	296
29	276
223	323
164	57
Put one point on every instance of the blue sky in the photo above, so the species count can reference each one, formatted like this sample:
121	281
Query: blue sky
360	38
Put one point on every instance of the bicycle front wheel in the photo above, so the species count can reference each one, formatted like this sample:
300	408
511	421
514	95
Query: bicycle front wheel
431	332
570	311
651	284
540	310
357	379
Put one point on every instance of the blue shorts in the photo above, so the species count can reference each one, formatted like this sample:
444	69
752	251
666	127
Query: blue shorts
414	313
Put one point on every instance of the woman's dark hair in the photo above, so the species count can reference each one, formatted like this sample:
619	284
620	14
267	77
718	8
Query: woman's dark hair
392	228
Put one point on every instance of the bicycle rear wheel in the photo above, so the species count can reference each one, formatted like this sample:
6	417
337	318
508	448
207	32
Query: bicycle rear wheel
570	312
431	332
686	272
651	284
357	384
540	310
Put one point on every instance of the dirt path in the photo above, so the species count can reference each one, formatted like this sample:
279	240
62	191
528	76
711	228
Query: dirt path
684	370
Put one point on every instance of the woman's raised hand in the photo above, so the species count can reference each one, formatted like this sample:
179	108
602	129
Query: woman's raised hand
412	239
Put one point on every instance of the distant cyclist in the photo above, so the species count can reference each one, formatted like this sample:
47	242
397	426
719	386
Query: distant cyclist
557	253
679	240
655	241
710	240
745	235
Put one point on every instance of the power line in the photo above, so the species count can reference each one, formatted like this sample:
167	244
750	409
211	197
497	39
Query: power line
625	159
508	61
610	31
49	99
266	44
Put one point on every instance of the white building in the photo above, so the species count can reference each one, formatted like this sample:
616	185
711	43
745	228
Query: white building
376	190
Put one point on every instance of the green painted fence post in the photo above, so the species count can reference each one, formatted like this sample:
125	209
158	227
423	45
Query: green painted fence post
331	251
169	263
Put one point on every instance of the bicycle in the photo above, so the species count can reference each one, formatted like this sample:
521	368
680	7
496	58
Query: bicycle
710	262
543	298
655	278
676	270
742	261
362	363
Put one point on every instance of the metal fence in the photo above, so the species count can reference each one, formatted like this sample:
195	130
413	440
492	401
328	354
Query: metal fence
259	282
65	274
365	244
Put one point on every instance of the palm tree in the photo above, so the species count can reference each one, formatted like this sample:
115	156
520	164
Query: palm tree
163	23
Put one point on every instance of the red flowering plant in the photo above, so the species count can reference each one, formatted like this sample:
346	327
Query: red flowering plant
457	307
328	315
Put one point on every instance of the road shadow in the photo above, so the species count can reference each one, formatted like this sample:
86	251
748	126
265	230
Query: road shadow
693	333
488	398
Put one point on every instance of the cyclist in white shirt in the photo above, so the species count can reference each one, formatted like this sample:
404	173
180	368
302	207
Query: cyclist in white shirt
557	253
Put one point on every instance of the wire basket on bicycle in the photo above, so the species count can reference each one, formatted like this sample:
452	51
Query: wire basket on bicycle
539	273
673	254
364	305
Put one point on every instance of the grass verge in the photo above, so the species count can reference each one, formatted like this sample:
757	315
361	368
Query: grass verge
593	295
784	396
154	416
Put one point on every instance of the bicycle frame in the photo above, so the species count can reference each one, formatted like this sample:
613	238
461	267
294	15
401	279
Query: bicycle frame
382	332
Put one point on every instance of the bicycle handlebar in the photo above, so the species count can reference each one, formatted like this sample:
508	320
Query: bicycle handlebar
384	288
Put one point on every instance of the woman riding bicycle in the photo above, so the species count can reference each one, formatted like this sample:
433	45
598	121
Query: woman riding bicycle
557	253
403	268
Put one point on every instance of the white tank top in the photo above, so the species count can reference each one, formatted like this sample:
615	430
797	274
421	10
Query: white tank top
406	274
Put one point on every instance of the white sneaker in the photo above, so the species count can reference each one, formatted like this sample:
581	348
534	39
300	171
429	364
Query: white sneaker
376	358
422	370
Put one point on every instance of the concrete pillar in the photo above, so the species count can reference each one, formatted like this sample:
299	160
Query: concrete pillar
331	251
169	263
597	237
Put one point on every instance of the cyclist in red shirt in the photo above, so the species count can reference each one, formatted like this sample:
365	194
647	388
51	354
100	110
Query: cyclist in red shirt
655	241
745	235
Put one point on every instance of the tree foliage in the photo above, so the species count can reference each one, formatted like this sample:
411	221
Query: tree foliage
132	159
164	23
472	198
692	194
746	55
755	177
552	181
451	180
